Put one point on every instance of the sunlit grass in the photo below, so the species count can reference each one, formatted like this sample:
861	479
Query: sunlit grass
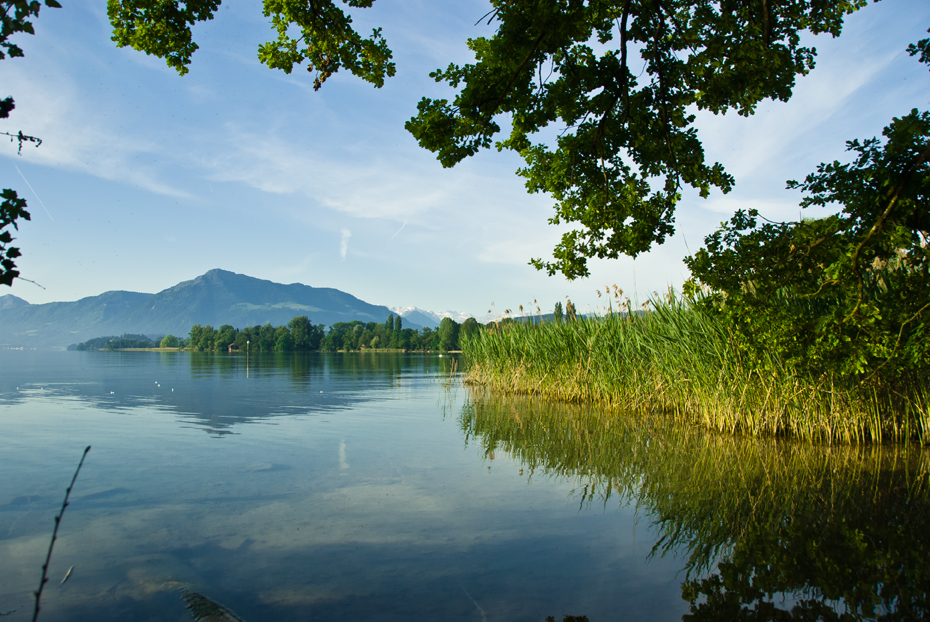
681	360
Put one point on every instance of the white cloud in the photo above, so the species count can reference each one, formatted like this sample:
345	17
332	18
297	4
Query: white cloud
49	105
783	131
360	185
513	251
772	209
399	230
344	244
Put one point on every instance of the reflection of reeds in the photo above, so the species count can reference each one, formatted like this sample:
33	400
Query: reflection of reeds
205	610
850	520
680	360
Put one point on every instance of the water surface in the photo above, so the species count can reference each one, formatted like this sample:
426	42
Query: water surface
375	487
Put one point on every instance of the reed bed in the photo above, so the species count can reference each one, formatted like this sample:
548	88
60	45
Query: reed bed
680	359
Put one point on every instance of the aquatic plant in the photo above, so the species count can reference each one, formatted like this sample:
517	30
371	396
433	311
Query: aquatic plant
680	358
839	530
204	609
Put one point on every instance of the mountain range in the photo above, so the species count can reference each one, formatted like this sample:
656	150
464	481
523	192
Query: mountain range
431	318
217	297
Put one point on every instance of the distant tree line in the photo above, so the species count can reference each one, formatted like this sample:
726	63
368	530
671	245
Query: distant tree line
114	343
300	335
391	334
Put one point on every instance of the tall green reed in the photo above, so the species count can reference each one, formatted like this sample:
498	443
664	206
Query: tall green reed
681	359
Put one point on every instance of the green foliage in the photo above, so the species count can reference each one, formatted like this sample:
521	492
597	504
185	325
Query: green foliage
283	342
12	209
305	335
448	334
847	293
469	329
169	341
557	313
357	335
816	329
160	27
223	337
15	18
264	337
629	143
326	41
126	341
299	335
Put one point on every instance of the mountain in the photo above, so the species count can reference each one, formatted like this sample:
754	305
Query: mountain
11	302
217	297
429	318
412	314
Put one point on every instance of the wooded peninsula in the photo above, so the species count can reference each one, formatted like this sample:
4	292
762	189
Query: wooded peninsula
301	335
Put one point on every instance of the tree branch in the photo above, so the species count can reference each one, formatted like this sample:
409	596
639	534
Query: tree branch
894	194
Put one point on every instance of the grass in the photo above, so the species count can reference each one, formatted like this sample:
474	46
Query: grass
679	359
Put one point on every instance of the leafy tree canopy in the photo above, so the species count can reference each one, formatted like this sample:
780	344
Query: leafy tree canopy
847	292
15	16
627	144
327	41
619	79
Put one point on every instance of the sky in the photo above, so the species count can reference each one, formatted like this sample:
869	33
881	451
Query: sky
145	179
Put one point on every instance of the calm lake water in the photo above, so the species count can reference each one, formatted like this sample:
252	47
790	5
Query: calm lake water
376	487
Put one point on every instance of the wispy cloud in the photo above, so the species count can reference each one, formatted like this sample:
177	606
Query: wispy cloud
365	187
344	244
50	106
748	146
783	210
399	230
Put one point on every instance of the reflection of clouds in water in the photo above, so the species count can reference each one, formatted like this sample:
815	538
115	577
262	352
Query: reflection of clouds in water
261	522
248	544
364	529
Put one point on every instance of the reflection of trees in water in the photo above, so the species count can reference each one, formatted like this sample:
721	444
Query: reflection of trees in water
840	532
235	388
302	366
388	363
219	390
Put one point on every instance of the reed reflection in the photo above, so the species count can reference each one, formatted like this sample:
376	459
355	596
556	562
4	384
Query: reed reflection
768	530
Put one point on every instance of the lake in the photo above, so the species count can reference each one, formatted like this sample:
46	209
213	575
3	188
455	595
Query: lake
370	486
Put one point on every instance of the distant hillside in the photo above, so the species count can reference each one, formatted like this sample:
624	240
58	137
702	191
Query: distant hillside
218	297
11	302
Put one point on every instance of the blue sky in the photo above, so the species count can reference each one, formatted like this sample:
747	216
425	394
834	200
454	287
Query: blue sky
146	179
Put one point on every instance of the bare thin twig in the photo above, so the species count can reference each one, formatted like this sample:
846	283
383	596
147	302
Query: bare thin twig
51	545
